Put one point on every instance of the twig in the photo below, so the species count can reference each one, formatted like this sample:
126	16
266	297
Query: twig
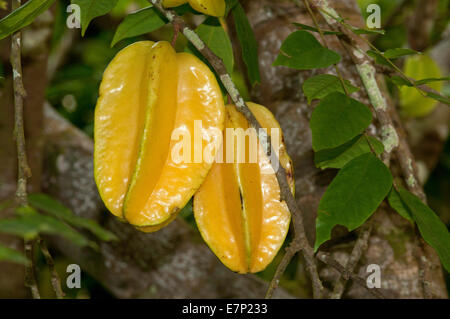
289	254
176	33
326	258
19	95
19	135
286	195
357	252
56	281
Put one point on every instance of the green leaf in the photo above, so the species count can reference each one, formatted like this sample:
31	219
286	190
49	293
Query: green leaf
248	43
58	210
338	157
400	81
353	196
399	52
30	223
23	16
367	31
391	54
328	32
438	97
398	205
11	255
432	229
378	58
431	80
137	23
216	38
336	120
91	9
319	86
302	51
313	29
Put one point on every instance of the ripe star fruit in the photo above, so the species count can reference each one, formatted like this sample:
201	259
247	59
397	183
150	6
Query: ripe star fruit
148	92
215	8
238	209
412	102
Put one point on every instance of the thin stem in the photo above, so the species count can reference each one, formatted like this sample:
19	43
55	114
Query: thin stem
286	195
290	253
357	252
30	278
19	135
56	281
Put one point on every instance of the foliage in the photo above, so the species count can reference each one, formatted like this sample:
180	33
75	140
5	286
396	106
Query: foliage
302	51
23	16
248	43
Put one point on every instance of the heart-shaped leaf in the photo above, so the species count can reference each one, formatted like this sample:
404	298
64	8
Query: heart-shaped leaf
137	23
91	9
319	86
353	196
302	51
336	120
216	38
338	157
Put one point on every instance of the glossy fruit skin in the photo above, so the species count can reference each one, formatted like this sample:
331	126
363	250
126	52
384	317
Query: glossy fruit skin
215	8
412	102
238	208
148	92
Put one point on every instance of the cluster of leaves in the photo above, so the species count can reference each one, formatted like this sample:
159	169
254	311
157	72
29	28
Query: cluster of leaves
338	125
45	215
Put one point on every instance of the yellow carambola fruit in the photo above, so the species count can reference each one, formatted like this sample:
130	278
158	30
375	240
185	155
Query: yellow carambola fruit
238	208
412	102
215	8
149	92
